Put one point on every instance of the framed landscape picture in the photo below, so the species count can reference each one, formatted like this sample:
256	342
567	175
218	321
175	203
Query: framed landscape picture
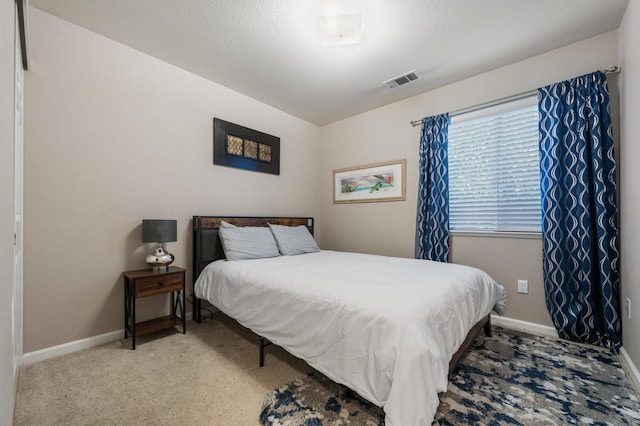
370	183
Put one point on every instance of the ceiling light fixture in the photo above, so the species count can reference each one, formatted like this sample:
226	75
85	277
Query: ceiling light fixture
341	29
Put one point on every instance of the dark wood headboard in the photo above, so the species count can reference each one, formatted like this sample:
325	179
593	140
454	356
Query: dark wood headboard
208	248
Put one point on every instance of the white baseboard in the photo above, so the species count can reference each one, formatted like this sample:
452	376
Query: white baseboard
529	327
70	347
78	345
630	368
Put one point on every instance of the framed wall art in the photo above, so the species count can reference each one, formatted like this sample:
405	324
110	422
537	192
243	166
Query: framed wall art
370	183
244	148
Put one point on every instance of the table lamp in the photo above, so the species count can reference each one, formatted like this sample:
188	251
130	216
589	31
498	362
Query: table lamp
159	231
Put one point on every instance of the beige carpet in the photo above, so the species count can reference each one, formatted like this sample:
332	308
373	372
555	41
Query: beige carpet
210	376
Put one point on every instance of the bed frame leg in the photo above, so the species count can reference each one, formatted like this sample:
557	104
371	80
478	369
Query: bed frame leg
197	306
263	344
487	327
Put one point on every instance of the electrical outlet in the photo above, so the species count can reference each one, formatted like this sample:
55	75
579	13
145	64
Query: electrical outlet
628	308
523	286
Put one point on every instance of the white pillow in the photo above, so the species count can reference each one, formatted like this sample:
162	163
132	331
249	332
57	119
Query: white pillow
294	239
247	242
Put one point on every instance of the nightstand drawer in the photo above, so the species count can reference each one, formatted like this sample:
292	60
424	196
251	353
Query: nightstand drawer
149	286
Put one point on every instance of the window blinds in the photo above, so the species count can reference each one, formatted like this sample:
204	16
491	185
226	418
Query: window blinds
494	171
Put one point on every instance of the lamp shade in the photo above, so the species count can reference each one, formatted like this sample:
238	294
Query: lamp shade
159	231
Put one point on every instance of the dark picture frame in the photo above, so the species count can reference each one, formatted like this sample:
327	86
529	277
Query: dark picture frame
244	148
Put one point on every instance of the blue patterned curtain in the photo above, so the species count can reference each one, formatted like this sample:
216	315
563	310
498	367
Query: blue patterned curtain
579	211
433	191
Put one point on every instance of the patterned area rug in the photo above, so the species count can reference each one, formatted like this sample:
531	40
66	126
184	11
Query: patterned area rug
511	378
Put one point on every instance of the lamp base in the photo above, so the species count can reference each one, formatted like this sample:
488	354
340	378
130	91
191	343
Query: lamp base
160	259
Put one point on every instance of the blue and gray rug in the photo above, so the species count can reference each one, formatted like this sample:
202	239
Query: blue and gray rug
511	378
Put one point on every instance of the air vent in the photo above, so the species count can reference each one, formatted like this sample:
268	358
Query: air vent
400	80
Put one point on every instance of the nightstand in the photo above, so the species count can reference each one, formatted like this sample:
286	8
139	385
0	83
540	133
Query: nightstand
144	283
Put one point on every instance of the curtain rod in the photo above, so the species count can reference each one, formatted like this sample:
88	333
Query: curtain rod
611	70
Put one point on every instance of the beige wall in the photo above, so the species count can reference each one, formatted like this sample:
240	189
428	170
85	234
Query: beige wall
630	176
112	137
7	117
385	134
508	260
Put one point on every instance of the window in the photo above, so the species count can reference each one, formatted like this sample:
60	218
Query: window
494	170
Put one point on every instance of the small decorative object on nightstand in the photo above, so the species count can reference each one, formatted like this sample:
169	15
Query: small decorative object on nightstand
159	231
147	282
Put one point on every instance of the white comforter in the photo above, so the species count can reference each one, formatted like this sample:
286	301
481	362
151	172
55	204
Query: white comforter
385	327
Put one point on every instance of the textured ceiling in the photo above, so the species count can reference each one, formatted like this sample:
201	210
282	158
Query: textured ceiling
272	50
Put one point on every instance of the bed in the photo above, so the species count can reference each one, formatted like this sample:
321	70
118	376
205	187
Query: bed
389	328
